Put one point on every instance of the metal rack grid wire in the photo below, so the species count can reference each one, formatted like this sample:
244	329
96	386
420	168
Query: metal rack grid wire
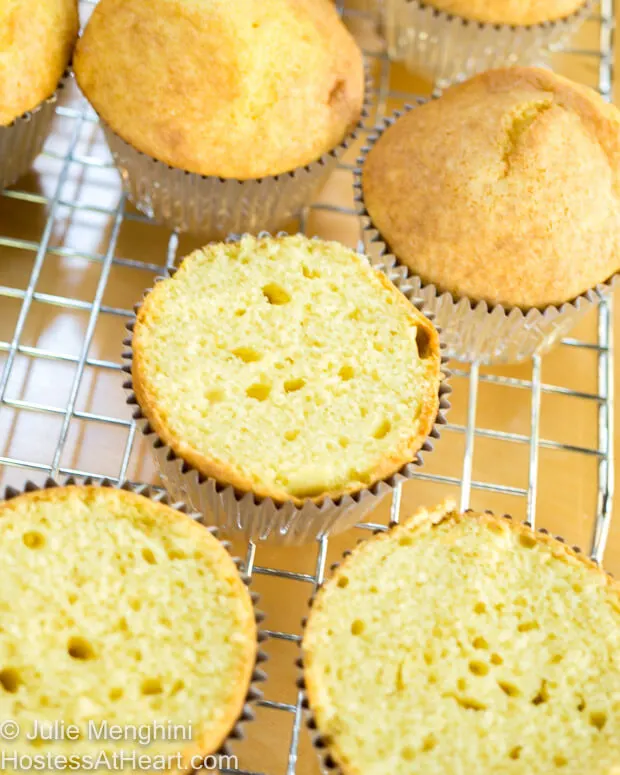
61	200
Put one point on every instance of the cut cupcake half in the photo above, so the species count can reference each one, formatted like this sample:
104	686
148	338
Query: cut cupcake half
287	369
465	642
120	610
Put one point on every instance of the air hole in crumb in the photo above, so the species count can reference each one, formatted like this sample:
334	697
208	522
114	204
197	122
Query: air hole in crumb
480	643
343	441
363	411
240	312
346	373
515	753
291	435
276	294
80	648
343	581
428	658
247	354
122	625
337	92
33	539
461	684
407	753
178	686
310	273
521	601
148	556
430	742
527	626
598	719
423	340
480	608
496	659
151	686
9	680
582	705
406	540
577	588
543	694
509	689
560	761
478	668
373	590
292	385
259	391
135	604
115	694
72	598
176	554
357	628
215	396
382	431
470	703
527	541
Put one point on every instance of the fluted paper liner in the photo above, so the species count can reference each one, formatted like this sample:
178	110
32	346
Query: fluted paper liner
216	207
263	519
474	330
254	694
22	140
446	47
321	742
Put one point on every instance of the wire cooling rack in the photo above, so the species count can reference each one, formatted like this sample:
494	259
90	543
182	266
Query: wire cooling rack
75	256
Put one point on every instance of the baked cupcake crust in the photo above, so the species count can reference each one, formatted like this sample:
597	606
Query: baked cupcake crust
517	12
414	426
237	90
36	43
373	555
153	519
504	190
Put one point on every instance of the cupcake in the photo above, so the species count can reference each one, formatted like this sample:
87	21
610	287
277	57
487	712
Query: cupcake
119	612
36	40
500	199
453	39
285	385
222	116
465	643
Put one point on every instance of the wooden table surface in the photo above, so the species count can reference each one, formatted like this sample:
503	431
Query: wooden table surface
80	240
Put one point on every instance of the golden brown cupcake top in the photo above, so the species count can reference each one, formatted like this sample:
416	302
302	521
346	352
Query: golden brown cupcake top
36	42
504	189
518	12
237	89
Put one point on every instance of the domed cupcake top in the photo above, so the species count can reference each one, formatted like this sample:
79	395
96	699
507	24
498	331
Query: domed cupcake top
240	89
505	189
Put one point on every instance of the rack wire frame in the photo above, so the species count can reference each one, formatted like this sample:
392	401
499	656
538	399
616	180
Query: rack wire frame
10	349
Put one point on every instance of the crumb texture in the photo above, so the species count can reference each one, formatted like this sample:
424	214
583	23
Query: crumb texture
505	189
286	366
467	646
115	609
239	89
36	42
519	12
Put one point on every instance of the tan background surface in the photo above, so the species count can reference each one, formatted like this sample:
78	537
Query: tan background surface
51	419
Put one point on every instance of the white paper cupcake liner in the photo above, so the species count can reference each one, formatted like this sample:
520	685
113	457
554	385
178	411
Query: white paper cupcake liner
321	742
445	47
215	207
254	694
22	141
263	519
474	331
